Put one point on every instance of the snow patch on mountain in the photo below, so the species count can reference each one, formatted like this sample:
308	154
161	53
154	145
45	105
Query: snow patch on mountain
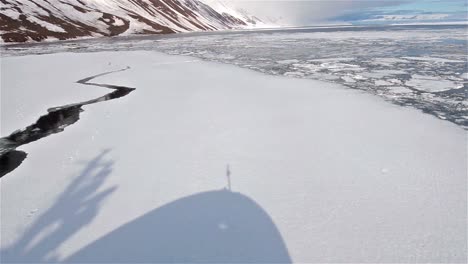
27	20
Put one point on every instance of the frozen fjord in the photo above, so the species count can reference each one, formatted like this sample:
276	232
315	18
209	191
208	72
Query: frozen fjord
343	176
420	66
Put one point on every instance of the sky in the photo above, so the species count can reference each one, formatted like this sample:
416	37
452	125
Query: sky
305	12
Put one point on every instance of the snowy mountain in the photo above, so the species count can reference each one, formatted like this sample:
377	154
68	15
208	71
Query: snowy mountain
26	20
226	7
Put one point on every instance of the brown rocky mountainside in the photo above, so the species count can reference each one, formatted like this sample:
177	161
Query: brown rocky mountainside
36	20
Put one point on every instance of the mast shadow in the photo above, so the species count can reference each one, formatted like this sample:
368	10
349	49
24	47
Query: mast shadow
75	208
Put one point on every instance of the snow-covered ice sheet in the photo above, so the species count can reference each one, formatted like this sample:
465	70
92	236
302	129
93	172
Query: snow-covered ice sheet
357	57
333	175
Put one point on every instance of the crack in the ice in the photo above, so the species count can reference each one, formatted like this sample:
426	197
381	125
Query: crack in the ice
57	119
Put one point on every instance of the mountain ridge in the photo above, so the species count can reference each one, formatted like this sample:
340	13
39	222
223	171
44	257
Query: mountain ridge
38	20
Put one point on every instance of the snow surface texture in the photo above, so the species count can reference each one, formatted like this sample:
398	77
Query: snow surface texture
27	20
418	66
319	173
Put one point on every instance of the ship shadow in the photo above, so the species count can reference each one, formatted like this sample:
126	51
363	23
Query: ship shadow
215	226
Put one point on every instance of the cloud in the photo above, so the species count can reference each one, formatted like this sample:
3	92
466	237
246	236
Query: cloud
303	12
411	11
307	12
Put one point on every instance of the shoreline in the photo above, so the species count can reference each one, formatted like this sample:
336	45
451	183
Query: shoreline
343	27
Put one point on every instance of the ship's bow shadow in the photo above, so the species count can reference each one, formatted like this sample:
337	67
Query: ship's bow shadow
216	226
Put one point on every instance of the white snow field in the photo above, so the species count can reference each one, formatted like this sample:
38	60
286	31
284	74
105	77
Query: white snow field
318	172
